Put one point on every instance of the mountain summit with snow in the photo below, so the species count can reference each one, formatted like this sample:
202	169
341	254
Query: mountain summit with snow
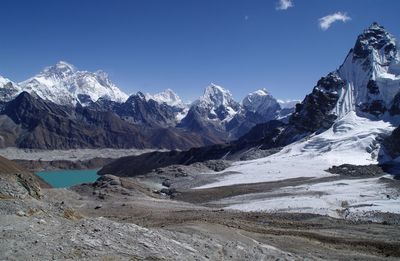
370	75
168	97
217	112
261	102
64	84
8	89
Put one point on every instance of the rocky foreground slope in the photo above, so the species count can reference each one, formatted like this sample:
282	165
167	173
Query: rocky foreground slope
123	219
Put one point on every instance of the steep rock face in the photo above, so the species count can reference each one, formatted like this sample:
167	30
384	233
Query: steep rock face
138	110
367	83
371	73
315	111
52	126
218	114
31	122
64	84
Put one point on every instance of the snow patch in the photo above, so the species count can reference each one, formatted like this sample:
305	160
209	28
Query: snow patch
350	140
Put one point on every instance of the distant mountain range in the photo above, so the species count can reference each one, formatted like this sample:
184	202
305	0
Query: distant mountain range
62	107
357	98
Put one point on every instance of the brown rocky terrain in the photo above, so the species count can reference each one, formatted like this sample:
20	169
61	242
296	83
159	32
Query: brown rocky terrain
135	219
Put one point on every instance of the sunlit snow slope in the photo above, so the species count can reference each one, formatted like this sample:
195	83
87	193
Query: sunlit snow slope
363	91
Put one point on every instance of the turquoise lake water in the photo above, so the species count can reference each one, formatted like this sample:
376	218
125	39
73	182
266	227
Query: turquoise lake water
68	178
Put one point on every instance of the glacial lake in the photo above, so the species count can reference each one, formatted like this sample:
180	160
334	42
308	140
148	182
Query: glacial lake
68	178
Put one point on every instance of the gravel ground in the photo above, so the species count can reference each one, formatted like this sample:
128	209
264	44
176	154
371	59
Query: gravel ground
130	219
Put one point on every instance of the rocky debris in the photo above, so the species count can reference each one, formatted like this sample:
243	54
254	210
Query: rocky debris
58	232
256	153
357	171
169	192
20	213
16	182
106	186
217	165
107	181
167	183
102	239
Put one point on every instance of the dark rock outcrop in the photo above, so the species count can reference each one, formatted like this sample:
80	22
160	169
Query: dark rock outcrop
264	136
137	110
392	143
36	123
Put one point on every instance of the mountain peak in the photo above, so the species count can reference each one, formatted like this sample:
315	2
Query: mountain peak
375	25
214	87
63	84
216	95
168	97
60	70
4	81
375	37
260	92
262	102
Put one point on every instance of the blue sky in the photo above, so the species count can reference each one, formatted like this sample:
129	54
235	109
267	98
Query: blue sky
151	45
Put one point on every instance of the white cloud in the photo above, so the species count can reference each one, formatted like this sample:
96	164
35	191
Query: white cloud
284	4
326	21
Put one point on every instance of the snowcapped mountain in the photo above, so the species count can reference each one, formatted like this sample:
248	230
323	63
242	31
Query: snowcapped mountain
216	111
348	112
350	117
64	84
211	112
168	97
262	103
8	89
218	103
365	89
370	75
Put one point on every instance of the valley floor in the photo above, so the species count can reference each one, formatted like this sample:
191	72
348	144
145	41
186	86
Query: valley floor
124	219
292	205
68	155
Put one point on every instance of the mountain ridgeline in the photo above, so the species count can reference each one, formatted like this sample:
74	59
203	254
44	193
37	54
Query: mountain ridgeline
367	84
64	108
